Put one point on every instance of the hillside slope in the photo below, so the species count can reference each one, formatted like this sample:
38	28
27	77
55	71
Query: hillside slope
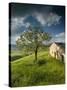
47	71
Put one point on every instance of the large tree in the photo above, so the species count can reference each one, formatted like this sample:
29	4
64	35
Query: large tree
32	39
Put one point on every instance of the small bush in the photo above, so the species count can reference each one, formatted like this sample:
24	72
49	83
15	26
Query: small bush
41	62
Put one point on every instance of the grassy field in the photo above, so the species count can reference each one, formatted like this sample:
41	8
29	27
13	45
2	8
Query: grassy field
47	70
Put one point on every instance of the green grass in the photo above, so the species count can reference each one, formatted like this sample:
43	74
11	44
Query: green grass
17	55
47	71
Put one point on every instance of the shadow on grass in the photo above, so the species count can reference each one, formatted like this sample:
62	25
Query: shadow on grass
40	62
13	58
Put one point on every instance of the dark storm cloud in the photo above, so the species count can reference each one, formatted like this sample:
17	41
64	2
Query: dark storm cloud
18	10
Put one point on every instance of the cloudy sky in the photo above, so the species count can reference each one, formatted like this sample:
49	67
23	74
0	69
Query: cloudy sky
50	18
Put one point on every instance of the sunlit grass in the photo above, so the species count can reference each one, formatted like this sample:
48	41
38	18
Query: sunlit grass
47	71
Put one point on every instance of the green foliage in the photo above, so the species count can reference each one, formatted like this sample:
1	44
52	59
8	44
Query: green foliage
32	39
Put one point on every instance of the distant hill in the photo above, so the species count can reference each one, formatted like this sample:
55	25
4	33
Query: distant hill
60	44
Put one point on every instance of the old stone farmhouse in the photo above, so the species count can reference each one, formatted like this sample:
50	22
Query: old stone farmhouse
57	50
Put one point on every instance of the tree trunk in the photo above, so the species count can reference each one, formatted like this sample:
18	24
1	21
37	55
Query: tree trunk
36	54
